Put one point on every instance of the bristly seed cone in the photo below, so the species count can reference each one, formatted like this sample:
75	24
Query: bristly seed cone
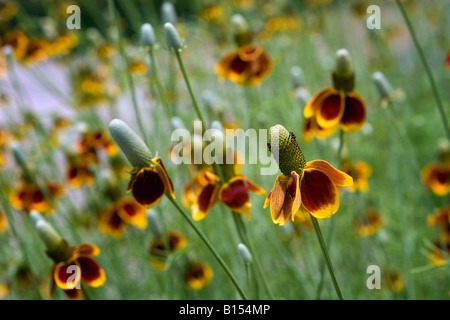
286	151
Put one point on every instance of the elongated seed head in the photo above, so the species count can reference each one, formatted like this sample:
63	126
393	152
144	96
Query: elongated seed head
131	145
286	151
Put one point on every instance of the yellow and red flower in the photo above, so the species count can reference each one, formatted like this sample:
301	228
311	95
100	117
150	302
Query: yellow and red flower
198	275
247	65
368	224
159	252
331	107
339	105
122	213
233	193
79	266
360	171
313	191
29	197
436	177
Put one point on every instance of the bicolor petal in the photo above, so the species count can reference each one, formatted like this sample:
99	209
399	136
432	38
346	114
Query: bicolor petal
319	194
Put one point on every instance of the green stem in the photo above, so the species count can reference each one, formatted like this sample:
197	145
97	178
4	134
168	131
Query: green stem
323	247
188	84
209	246
129	78
330	233
159	86
426	67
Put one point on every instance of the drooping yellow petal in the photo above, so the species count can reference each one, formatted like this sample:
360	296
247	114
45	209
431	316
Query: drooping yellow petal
338	177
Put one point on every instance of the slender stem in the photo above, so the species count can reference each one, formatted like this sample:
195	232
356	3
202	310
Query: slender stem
129	78
427	69
246	240
331	229
323	247
210	246
188	84
159	86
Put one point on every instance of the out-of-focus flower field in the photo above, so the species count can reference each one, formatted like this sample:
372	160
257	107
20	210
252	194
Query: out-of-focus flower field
93	205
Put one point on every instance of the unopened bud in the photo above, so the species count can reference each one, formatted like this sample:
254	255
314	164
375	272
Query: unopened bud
131	145
168	13
51	239
147	35
244	253
173	41
382	84
343	63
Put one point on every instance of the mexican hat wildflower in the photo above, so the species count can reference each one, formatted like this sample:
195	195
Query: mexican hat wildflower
339	105
436	177
161	247
234	194
71	264
149	180
303	187
198	275
247	65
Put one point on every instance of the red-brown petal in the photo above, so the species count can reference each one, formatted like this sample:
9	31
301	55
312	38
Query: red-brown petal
91	272
331	110
148	188
319	194
354	115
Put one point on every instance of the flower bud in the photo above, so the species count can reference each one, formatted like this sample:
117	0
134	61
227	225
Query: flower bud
244	253
131	145
173	41
343	63
242	34
286	151
168	13
147	35
382	84
51	239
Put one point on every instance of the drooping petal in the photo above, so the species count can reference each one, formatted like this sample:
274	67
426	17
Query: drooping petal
91	272
73	294
148	188
111	223
314	103
87	249
277	197
67	275
164	176
282	216
293	188
338	177
234	193
205	201
319	194
302	215
331	110
223	66
355	113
